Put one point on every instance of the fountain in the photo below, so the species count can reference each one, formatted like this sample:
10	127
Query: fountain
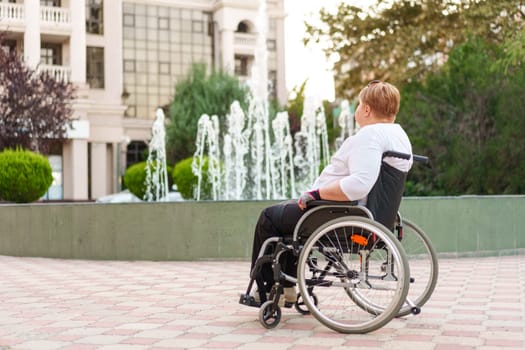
207	135
282	152
346	122
156	171
251	166
311	143
238	174
258	114
236	148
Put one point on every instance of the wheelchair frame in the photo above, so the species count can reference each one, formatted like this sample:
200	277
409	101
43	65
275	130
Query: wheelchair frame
376	297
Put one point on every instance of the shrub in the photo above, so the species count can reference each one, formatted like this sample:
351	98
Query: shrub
186	181
25	176
135	179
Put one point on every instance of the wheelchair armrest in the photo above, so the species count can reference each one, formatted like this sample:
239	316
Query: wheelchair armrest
317	203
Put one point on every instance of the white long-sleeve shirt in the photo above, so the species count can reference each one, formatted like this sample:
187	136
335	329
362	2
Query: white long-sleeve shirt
358	161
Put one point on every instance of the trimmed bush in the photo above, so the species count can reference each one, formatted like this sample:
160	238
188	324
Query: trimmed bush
25	176
135	179
186	181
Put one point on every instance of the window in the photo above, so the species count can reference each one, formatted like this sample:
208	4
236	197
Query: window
129	20
272	77
51	54
9	46
164	23
197	26
94	16
137	152
55	191
129	65
131	111
159	50
164	68
242	65
242	27
272	25
95	67
50	3
271	44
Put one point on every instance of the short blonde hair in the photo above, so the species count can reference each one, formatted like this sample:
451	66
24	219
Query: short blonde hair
383	98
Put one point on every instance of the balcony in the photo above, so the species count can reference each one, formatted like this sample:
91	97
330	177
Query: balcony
55	20
12	15
244	43
62	73
245	39
54	16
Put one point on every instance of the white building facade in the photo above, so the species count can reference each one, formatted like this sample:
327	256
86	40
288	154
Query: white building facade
125	57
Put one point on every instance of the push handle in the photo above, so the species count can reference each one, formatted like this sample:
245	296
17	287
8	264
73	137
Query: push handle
421	159
416	157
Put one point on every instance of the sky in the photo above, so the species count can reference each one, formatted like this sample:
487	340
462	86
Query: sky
302	63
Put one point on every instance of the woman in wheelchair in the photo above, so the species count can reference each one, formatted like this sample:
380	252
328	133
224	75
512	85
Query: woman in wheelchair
350	176
352	173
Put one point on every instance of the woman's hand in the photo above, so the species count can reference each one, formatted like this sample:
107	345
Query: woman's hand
307	197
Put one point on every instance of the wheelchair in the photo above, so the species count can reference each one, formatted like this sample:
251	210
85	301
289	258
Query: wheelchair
358	267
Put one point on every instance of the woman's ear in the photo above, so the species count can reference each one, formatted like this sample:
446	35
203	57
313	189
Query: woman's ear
367	109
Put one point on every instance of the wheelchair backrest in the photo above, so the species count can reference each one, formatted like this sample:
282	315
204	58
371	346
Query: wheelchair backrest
385	197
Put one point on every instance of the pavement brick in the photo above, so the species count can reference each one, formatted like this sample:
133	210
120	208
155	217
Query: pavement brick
79	347
41	344
102	339
479	303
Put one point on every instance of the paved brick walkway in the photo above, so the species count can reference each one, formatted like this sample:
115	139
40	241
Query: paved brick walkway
479	303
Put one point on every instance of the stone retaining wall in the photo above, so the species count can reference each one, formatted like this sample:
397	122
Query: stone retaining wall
223	230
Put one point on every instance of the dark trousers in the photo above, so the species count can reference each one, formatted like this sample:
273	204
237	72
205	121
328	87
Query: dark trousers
278	220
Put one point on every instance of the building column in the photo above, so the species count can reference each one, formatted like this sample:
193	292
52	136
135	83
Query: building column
77	42
99	170
113	60
75	153
32	33
227	52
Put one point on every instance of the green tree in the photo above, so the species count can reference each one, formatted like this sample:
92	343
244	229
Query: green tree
514	47
200	94
401	40
468	118
35	108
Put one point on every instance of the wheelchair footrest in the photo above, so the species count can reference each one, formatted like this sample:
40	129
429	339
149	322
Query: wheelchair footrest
248	300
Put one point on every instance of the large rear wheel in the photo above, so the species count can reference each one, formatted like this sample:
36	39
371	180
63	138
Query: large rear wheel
358	271
424	267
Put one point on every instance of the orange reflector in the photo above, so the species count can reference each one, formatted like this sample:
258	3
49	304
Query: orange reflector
359	239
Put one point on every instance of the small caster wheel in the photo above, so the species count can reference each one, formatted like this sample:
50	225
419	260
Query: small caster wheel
301	307
269	314
416	310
